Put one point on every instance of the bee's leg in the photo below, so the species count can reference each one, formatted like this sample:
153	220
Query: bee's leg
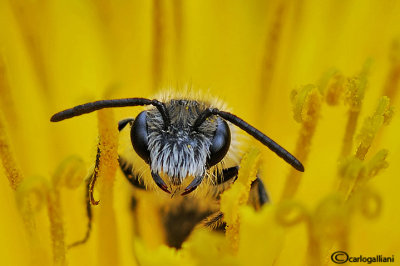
258	195
261	192
214	221
257	186
228	174
122	124
134	179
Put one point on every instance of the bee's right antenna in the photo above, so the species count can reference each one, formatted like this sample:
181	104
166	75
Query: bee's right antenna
94	106
272	145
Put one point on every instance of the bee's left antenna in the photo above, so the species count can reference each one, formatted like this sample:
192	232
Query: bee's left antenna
94	106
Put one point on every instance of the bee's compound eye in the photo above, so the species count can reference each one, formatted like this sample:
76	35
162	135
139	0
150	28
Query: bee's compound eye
220	143
139	136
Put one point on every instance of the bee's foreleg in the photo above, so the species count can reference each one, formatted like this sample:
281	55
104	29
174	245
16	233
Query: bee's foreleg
122	124
258	197
262	193
257	186
127	170
258	193
227	174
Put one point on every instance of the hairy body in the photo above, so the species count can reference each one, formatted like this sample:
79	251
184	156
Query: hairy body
180	155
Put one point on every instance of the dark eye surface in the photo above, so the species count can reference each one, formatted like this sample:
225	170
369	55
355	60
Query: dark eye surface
139	137
220	143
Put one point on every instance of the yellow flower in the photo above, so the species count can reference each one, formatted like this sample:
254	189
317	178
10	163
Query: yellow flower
319	77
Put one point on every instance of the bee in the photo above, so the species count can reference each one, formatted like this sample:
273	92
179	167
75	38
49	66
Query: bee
188	145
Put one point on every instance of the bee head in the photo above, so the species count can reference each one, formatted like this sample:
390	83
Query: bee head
182	147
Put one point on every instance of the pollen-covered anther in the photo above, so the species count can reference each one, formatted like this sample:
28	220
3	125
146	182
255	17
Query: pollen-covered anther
372	125
334	90
377	163
354	94
306	110
8	160
355	173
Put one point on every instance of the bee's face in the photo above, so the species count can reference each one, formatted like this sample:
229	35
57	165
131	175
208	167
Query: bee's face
179	151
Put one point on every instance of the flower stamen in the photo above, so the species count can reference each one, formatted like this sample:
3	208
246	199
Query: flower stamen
70	173
354	94
10	165
306	108
372	125
31	194
332	86
108	165
393	77
238	194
